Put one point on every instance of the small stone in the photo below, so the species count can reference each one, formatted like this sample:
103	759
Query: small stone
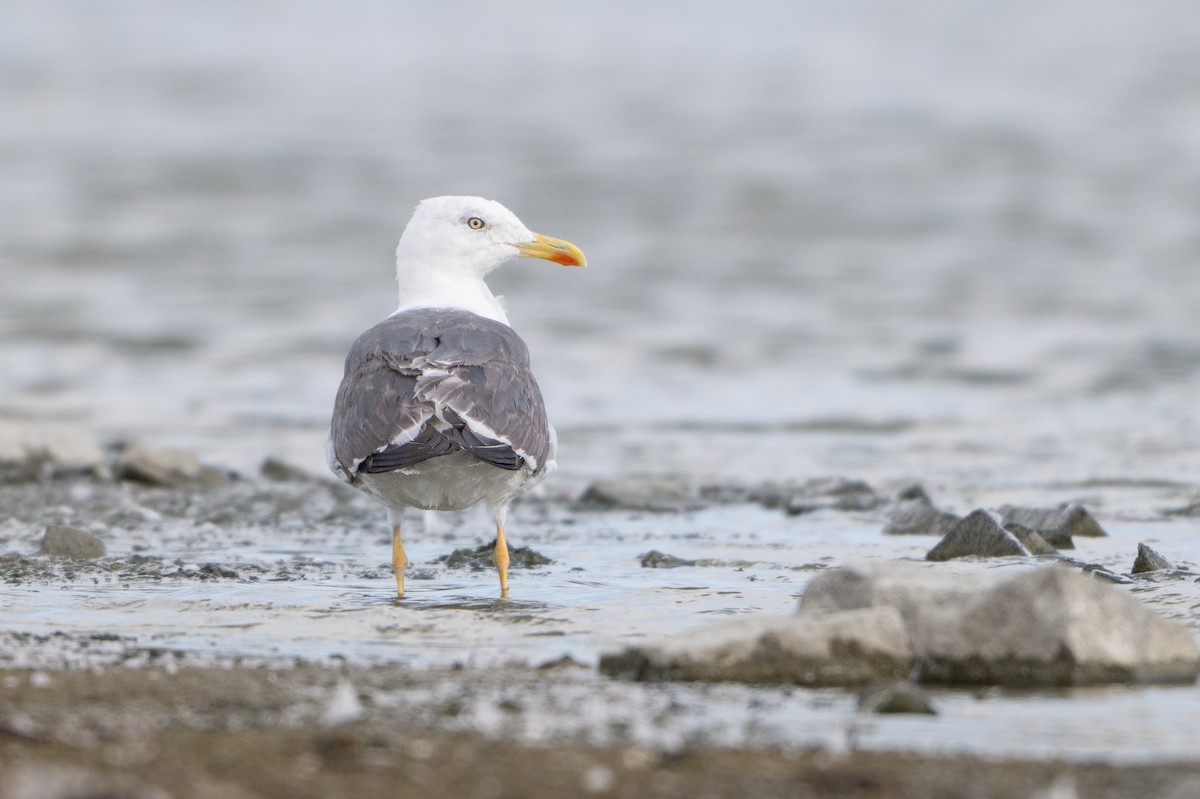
480	558
1149	561
68	542
981	534
837	648
915	514
561	662
1030	539
820	493
916	491
1056	525
896	697
664	494
281	472
658	560
31	449
163	467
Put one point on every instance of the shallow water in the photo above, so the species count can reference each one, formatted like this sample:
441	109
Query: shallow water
953	246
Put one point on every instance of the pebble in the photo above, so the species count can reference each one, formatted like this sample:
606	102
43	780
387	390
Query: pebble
69	542
1149	561
915	514
29	449
659	560
1057	525
896	697
661	494
979	533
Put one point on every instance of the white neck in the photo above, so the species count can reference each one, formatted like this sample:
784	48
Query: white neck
424	289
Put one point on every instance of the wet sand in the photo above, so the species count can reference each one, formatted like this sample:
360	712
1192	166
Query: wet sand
267	732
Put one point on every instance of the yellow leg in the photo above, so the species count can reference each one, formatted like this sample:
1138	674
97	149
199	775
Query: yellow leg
500	558
399	560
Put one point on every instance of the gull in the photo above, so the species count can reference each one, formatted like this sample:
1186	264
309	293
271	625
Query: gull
438	408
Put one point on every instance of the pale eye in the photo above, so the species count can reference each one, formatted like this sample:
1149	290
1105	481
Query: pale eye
475	223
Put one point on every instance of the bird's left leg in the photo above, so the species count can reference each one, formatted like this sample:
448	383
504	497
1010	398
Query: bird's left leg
500	558
500	554
399	557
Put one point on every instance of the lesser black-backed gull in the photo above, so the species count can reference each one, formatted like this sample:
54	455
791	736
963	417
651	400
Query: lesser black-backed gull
438	408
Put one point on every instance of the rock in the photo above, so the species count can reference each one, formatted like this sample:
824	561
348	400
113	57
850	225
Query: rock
915	514
480	558
1043	627
282	472
658	560
895	697
841	648
1149	561
978	533
1056	525
170	467
31	449
838	493
1030	539
640	493
1100	572
67	542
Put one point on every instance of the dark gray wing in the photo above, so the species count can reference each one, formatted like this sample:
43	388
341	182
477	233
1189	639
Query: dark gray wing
428	382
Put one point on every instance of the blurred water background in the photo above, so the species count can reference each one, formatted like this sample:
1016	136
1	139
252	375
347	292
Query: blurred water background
975	220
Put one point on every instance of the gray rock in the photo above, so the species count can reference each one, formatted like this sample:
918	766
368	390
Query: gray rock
1042	627
170	467
1056	525
279	471
838	493
659	560
1149	561
68	542
895	697
979	533
841	648
640	493
915	514
1030	539
31	449
1100	572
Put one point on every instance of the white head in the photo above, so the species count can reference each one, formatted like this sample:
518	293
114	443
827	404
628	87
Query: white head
452	243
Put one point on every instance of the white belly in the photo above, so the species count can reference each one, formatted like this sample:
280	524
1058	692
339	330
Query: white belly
450	482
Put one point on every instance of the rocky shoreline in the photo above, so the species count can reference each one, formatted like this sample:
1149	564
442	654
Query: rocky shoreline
134	713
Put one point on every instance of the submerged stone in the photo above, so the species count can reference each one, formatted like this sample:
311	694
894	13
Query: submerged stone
665	494
837	493
162	467
1042	627
915	514
896	697
1031	539
480	558
68	542
658	560
282	472
844	648
1149	561
1056	525
979	533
